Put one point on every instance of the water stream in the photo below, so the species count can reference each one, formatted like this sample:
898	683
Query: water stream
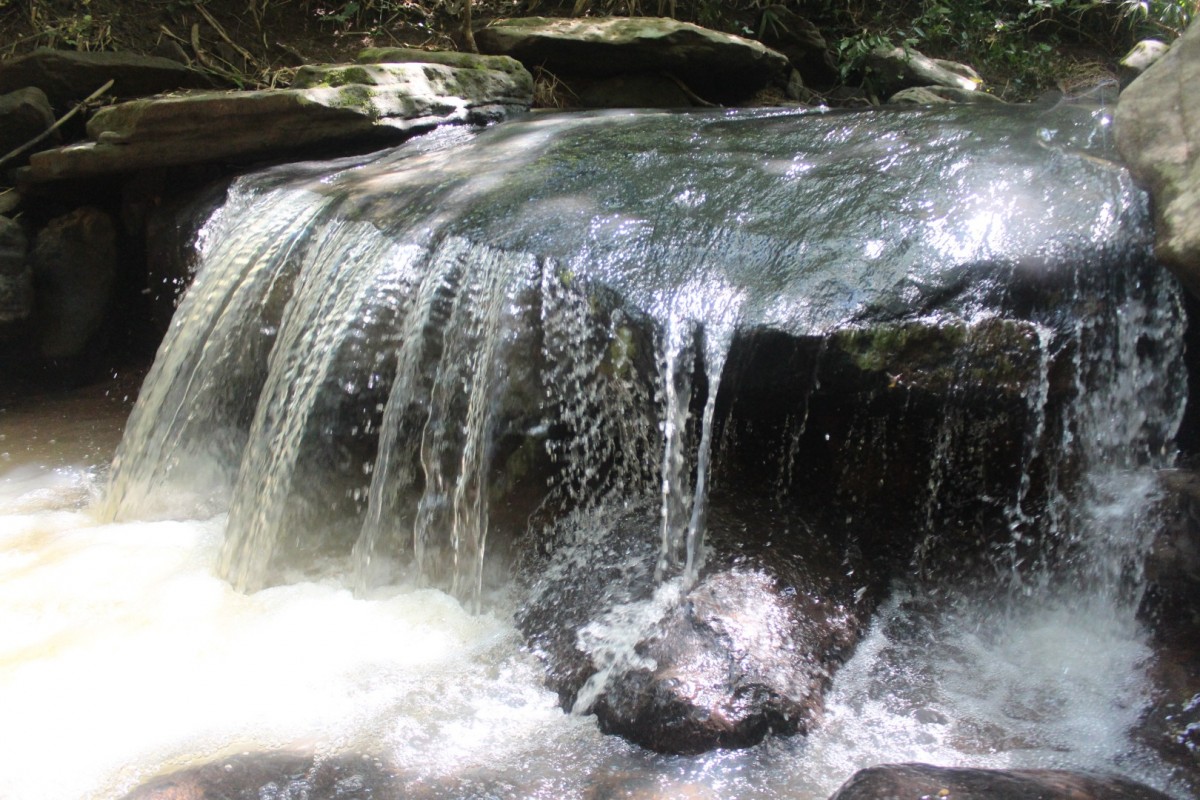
305	540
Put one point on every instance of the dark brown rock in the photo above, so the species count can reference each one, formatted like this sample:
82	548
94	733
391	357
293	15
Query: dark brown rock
741	656
16	280
24	115
894	781
633	91
1172	568
74	262
716	66
68	76
791	34
748	651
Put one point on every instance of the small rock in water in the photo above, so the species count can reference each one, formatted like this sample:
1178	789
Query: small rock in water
924	780
275	776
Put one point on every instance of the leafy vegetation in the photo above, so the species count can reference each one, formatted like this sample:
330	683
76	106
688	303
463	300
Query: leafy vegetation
1020	46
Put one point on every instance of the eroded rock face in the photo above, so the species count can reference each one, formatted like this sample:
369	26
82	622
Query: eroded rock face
67	76
334	104
1173	564
16	279
791	34
1158	137
74	271
923	780
716	66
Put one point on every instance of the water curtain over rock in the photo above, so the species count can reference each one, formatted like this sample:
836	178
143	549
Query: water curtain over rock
464	344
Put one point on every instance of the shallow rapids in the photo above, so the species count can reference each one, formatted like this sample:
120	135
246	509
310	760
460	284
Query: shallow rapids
123	655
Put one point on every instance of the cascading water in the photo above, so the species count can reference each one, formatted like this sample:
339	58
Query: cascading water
396	377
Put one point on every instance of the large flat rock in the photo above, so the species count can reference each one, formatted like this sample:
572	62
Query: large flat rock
67	76
328	105
715	65
1158	136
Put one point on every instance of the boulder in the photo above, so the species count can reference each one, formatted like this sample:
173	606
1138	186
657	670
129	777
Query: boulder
894	68
936	95
74	261
16	279
923	780
719	67
1158	137
24	115
336	105
747	651
68	76
784	30
1140	58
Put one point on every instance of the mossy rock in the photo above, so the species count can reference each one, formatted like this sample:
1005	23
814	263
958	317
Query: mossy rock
449	58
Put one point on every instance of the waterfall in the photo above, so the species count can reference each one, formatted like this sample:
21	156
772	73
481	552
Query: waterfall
379	357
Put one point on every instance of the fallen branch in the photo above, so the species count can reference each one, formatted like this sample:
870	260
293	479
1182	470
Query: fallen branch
216	26
58	124
687	91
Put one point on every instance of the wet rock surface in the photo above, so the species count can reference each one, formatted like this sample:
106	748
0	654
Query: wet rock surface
923	780
277	776
746	652
1172	568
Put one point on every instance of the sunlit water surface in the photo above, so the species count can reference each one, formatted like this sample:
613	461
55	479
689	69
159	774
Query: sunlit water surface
122	656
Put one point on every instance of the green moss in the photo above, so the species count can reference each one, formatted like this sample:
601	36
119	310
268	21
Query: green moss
1001	354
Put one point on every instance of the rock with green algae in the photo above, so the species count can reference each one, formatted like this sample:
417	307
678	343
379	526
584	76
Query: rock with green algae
331	106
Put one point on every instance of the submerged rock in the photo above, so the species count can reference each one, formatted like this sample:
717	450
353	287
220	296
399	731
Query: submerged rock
716	66
1157	135
893	781
277	775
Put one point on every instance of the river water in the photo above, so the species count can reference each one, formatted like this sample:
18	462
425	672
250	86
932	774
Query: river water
123	654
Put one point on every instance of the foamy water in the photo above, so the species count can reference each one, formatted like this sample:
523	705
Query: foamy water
122	655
